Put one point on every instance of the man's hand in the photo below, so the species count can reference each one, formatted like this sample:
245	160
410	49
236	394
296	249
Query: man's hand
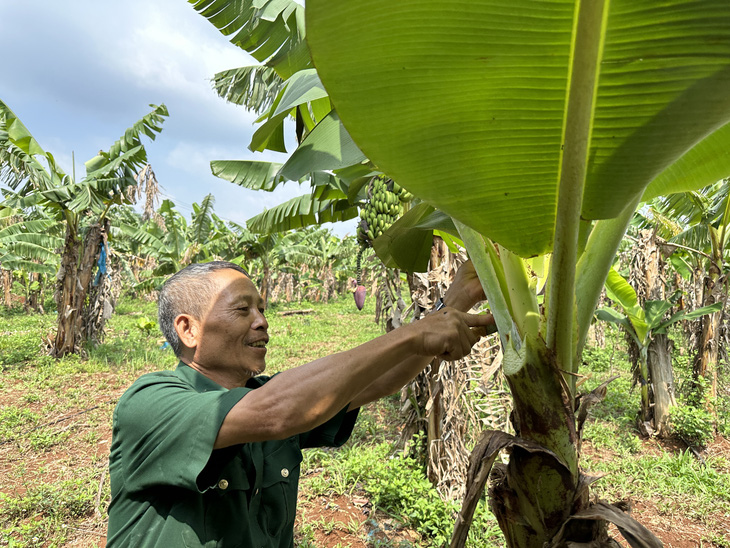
450	334
466	289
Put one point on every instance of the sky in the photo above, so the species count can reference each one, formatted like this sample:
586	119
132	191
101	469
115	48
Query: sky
79	73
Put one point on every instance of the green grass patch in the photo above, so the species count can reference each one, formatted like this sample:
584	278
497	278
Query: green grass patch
396	485
40	516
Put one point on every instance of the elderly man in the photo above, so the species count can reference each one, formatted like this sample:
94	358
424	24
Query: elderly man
208	455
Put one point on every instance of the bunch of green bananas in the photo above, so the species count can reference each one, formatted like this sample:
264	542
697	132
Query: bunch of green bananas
384	206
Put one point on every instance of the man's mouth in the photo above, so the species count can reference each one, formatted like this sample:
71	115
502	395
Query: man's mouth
258	344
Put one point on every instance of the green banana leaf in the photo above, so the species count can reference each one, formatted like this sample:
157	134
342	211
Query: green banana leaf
682	315
327	147
12	262
303	87
270	135
302	211
17	133
654	312
466	105
272	31
202	220
251	174
619	291
407	243
613	316
254	87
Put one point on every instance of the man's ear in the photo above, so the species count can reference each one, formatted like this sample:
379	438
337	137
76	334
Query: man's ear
187	329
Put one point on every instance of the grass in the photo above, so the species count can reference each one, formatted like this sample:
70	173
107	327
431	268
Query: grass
55	421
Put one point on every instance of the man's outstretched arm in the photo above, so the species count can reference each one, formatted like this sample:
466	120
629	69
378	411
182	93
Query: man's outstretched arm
304	397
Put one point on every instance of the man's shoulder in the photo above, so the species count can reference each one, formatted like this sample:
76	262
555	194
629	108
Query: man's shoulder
158	377
147	383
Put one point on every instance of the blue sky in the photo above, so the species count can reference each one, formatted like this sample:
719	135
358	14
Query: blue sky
79	73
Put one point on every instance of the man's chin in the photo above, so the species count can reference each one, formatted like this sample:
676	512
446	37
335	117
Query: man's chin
255	372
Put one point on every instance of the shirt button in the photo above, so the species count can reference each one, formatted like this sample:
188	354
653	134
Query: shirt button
284	473
223	484
257	492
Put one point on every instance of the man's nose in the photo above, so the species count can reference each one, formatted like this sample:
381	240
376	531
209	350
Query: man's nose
260	321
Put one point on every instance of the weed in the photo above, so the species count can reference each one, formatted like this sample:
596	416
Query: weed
606	435
39	517
13	421
304	536
694	425
399	487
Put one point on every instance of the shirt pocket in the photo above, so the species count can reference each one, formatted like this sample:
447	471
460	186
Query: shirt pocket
226	507
279	487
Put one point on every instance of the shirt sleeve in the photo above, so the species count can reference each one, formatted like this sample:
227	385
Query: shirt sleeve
332	433
169	431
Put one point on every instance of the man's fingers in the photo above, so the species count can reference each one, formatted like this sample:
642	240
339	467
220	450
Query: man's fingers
482	320
459	332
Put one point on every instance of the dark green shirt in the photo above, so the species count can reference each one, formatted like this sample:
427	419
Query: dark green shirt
171	489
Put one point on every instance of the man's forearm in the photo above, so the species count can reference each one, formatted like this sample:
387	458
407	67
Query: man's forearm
301	398
304	397
391	381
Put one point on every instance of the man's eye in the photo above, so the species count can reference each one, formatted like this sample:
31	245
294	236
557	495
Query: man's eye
262	310
243	309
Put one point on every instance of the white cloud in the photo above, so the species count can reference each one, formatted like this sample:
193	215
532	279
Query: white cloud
174	49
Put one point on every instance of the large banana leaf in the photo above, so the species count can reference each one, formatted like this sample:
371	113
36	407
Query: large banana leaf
202	221
19	169
12	262
321	206
272	31
15	131
251	174
327	147
254	87
407	243
619	291
466	104
303	87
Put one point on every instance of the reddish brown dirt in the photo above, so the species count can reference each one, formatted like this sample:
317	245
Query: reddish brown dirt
350	521
678	531
673	528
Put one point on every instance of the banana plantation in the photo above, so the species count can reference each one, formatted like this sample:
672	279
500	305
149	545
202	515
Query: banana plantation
577	152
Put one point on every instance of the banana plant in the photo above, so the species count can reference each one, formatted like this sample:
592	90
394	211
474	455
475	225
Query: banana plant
168	244
700	233
38	181
538	128
28	244
644	322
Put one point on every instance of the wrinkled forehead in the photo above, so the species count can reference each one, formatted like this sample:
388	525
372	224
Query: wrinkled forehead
232	285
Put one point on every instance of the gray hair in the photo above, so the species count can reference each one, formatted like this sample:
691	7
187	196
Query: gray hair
188	292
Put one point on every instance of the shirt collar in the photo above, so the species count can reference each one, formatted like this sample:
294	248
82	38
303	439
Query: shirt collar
201	383
197	380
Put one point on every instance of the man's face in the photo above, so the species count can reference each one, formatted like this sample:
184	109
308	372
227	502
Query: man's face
233	333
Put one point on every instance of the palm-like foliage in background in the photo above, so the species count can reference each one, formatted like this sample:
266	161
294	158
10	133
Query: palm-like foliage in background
29	240
698	223
37	181
167	242
285	87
